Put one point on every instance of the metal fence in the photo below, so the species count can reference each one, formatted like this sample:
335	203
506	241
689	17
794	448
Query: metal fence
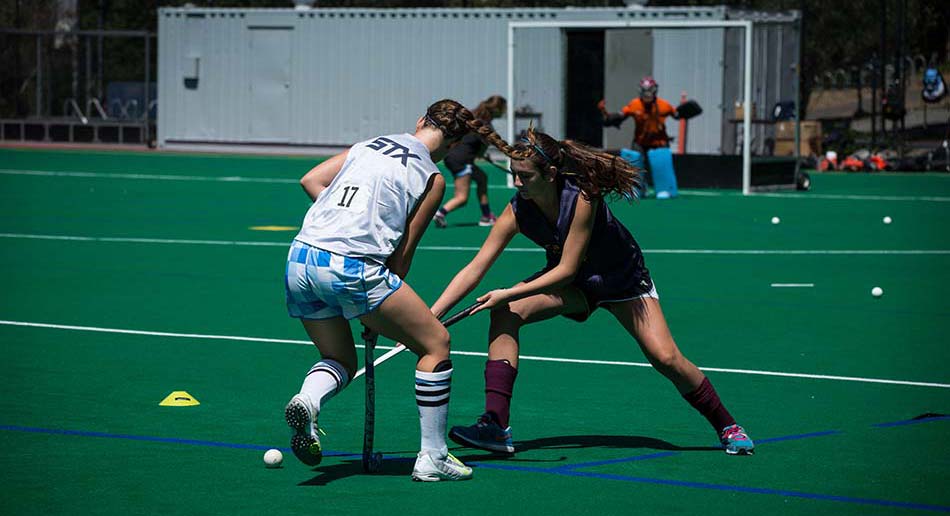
86	85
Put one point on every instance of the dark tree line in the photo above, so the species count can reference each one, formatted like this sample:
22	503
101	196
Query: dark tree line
836	34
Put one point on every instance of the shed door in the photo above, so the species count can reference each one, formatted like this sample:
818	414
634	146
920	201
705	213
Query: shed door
268	109
585	86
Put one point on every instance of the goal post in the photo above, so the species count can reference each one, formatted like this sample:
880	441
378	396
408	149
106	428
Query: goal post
745	25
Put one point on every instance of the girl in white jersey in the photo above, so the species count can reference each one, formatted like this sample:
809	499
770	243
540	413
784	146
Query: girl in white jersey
371	206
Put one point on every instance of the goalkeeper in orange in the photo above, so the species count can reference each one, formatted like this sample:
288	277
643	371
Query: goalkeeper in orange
649	138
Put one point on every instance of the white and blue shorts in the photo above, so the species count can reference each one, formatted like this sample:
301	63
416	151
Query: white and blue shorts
323	285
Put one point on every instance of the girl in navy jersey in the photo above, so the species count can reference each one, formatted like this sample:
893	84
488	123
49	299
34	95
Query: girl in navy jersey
460	160
592	261
372	204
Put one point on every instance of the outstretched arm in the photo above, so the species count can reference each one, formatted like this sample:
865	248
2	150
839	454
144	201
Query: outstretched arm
572	255
416	225
610	119
471	275
320	176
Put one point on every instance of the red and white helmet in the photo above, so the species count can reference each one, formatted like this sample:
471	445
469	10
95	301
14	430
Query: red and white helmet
648	84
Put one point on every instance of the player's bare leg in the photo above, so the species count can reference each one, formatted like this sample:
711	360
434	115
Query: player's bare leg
324	380
643	319
459	199
404	317
481	190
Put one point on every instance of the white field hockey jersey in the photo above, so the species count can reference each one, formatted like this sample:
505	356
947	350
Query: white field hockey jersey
363	212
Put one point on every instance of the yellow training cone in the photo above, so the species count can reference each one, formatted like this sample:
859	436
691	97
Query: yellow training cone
273	228
179	399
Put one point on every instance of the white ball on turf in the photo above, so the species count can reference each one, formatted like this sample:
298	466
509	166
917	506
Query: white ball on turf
887	220
273	458
877	292
776	220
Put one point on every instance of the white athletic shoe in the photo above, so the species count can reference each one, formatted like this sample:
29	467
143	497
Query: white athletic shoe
435	465
305	443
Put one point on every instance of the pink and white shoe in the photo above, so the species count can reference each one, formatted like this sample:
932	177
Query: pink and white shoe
487	221
735	441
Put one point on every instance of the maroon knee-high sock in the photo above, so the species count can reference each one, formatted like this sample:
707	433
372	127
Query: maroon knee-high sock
499	384
706	401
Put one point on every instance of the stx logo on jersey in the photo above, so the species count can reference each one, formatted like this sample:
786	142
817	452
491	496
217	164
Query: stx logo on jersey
381	143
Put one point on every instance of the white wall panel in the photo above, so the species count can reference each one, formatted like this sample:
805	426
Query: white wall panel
355	73
690	60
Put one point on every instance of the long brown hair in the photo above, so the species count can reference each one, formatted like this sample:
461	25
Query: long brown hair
597	173
488	107
455	121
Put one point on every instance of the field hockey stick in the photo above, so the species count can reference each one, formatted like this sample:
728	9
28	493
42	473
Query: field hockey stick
399	347
371	461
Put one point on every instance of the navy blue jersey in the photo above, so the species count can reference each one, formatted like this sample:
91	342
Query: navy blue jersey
464	152
613	268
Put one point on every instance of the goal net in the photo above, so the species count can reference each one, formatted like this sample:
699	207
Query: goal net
559	70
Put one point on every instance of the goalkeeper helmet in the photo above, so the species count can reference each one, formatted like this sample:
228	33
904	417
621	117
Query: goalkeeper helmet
648	88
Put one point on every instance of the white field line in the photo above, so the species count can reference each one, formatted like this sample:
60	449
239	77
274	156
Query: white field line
797	251
151	177
706	193
792	285
812	195
842	197
251	243
131	240
245	179
471	353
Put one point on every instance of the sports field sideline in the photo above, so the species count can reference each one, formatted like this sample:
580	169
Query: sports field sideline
126	276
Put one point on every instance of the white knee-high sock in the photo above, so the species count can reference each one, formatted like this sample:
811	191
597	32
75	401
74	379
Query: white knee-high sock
432	398
325	380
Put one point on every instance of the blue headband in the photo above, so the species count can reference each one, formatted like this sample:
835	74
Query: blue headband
437	125
538	149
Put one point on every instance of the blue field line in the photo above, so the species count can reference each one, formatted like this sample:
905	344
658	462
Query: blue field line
798	436
719	487
658	455
172	440
911	421
561	470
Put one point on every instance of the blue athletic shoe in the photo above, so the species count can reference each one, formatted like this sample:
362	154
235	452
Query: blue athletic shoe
736	442
485	434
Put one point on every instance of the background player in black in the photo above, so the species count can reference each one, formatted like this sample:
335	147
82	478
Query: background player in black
461	162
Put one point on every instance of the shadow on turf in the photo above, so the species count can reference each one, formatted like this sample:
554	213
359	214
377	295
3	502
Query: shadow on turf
396	464
606	441
568	442
391	467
